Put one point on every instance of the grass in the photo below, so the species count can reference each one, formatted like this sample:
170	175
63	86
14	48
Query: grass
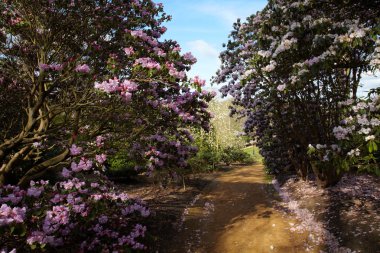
254	152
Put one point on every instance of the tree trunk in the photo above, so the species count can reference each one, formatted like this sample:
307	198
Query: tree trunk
325	173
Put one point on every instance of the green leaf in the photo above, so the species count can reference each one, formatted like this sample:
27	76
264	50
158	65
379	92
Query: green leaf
370	147
23	230
374	145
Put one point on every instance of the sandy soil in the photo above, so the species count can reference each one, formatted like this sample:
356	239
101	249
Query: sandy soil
238	212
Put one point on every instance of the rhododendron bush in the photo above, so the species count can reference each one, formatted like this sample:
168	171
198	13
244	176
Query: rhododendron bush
75	213
78	70
289	66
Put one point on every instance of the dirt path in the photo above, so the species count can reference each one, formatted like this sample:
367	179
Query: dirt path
236	213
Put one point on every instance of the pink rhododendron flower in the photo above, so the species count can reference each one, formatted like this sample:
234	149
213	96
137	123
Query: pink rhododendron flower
101	158
10	215
148	63
129	86
189	57
159	51
163	29
56	67
174	72
112	85
34	191
44	66
37	236
85	163
281	87
74	150
75	167
100	140
94	185
198	81
177	49
127	96
129	51
66	173
84	68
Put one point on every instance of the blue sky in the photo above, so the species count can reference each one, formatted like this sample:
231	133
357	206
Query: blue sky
202	26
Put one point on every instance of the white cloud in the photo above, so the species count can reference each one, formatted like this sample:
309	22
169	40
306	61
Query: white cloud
201	49
207	59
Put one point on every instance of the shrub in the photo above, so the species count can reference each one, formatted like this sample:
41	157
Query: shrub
82	211
288	67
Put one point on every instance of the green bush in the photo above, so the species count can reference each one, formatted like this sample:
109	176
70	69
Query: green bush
233	154
120	165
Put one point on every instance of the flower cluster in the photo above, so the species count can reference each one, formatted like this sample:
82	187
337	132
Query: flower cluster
148	63
358	133
74	212
9	215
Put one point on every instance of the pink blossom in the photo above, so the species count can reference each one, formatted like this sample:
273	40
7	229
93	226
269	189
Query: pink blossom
36	236
110	86
97	197
66	173
94	185
129	51
14	197
101	158
163	29
57	198
10	215
74	150
85	163
281	87
147	62
177	49
84	68
75	167
159	51
56	67
79	208
127	96
100	141
129	86
174	72
189	57
44	66
199	82
34	191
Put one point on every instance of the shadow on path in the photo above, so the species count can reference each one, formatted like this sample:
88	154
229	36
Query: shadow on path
237	213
